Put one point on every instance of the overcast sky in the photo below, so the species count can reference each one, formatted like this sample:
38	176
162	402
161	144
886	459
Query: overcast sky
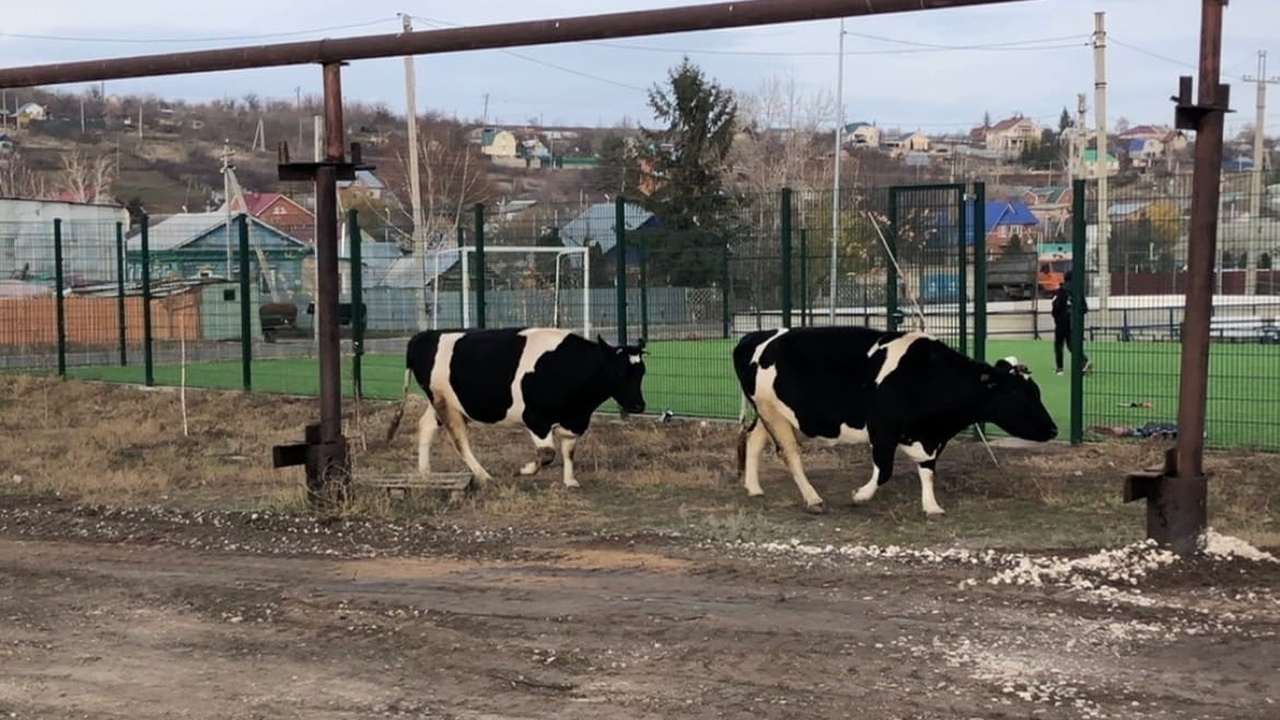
934	71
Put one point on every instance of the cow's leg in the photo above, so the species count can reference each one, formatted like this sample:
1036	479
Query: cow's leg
456	424
568	444
926	464
789	447
545	448
427	426
756	439
883	447
927	500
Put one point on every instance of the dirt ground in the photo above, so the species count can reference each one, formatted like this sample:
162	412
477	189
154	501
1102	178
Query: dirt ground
148	573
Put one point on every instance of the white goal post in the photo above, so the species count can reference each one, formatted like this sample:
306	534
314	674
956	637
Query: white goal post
559	252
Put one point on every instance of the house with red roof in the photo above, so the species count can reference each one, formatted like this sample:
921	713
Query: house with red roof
280	212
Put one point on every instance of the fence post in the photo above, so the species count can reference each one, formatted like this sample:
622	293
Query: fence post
463	280
644	286
806	314
357	304
1078	268
59	302
963	263
620	262
480	271
979	230
891	270
785	232
148	361
726	290
120	313
246	319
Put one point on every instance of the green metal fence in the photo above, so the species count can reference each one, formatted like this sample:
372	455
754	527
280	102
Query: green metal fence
227	303
1131	333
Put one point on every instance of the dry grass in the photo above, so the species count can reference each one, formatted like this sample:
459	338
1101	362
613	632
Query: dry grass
118	444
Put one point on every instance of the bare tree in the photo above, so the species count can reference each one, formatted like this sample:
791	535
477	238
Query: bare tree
780	145
86	178
453	172
19	180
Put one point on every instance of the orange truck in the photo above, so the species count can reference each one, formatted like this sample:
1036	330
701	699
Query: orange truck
1018	276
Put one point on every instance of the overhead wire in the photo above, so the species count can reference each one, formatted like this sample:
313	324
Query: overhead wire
199	39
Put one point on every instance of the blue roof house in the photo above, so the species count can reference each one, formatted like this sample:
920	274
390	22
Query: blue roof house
596	226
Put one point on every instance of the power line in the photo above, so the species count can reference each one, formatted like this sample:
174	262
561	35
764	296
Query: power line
544	63
222	38
1166	58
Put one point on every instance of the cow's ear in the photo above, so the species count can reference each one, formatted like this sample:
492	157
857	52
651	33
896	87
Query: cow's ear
640	343
603	343
1003	366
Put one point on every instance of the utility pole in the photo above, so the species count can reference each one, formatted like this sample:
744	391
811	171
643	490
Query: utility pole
226	197
484	119
415	181
835	182
1100	112
1076	136
297	105
1259	167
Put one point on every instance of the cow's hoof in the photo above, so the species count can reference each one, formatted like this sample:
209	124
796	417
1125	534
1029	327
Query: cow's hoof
818	508
571	484
529	468
934	512
862	498
546	456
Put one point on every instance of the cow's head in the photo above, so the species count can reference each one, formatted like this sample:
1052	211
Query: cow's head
1012	401
626	370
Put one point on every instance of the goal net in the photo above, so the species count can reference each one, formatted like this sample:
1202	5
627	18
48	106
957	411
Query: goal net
526	286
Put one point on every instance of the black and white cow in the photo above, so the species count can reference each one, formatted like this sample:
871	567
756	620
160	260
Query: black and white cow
546	379
853	385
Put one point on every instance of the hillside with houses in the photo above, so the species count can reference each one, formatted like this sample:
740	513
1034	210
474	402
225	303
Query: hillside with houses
189	166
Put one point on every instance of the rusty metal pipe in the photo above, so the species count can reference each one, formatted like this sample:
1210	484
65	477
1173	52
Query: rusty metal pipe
1186	494
328	288
483	37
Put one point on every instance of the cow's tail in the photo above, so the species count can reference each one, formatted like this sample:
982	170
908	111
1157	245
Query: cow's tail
404	399
745	427
744	432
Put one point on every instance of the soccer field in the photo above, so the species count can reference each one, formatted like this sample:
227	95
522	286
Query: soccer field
695	378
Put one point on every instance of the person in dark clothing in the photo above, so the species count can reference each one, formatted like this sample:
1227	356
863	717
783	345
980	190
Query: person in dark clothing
1061	311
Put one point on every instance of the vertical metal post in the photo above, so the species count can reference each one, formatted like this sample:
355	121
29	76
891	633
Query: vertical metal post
148	359
620	258
59	300
331	447
785	248
891	271
246	307
963	263
1079	267
726	291
481	277
805	319
465	279
358	314
979	224
120	312
644	287
1182	506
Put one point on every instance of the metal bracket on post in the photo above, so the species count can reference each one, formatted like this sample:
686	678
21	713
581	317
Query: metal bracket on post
1167	497
299	171
1188	114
